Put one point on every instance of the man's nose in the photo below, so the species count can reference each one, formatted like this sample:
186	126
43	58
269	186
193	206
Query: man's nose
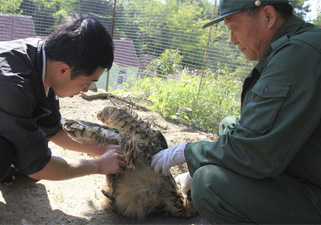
233	39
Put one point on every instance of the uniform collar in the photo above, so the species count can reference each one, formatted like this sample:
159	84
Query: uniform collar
289	28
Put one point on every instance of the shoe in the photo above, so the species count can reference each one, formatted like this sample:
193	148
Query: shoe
13	175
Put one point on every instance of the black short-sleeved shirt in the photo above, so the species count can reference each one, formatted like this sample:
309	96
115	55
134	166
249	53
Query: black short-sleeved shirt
27	116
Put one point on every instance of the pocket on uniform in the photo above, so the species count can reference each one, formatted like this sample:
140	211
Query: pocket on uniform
263	106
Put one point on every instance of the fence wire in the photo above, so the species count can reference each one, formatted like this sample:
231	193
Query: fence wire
142	31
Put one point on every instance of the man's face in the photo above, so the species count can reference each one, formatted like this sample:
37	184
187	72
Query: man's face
69	88
250	34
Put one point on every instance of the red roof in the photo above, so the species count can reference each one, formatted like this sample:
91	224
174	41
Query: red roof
15	27
125	53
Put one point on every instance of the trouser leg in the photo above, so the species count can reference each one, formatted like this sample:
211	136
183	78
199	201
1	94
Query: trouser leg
225	197
6	157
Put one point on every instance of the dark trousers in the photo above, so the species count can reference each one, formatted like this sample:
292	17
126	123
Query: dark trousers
6	157
222	196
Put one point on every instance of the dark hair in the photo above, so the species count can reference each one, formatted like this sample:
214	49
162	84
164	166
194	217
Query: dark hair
284	9
84	44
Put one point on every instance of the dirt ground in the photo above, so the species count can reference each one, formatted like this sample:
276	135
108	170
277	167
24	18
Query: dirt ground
78	201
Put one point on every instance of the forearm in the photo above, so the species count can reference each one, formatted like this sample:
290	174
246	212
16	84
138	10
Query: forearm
57	168
63	140
61	169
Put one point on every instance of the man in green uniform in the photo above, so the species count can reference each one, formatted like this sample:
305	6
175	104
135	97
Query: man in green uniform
266	170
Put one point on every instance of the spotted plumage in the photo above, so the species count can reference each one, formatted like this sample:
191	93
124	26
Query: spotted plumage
138	191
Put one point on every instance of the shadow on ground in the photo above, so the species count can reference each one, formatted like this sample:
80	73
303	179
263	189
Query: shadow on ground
26	202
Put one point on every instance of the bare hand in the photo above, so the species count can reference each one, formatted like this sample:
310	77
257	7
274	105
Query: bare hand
113	161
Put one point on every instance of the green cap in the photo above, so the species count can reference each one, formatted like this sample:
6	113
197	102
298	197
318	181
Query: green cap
229	7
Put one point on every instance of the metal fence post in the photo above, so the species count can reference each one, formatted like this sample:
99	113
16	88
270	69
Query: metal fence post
112	37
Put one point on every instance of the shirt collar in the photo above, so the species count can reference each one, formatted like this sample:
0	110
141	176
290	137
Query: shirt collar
44	70
291	26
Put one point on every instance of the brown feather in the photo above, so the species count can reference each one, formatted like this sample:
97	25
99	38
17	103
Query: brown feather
138	191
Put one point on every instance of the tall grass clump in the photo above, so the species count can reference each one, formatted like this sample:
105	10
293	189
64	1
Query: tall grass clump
183	98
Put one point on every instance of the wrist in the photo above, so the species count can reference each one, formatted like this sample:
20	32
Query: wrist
101	149
95	166
106	148
187	143
179	157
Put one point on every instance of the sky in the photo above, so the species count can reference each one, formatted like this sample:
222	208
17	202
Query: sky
315	9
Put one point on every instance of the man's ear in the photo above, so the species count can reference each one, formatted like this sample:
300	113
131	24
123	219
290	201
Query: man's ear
270	15
64	70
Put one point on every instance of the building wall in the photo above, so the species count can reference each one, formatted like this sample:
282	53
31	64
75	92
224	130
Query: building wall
117	77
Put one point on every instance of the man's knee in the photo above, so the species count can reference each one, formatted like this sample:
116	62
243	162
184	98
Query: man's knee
6	157
211	186
207	179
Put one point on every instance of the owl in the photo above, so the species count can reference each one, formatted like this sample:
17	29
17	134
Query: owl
138	191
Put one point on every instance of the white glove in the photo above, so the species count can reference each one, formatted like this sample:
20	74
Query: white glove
185	181
165	159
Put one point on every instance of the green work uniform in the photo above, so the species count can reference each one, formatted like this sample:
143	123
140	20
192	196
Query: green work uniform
268	169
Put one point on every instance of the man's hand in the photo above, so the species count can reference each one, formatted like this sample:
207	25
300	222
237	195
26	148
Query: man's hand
113	161
165	159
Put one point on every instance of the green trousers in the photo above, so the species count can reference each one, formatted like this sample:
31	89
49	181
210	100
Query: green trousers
222	196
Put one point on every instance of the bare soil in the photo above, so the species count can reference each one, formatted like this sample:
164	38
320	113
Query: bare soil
79	200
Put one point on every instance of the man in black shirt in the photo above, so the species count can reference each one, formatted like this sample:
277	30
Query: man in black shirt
33	74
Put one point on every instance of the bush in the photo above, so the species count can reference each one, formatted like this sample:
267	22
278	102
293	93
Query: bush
181	98
167	63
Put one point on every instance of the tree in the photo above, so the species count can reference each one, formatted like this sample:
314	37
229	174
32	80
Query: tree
102	9
168	63
300	9
159	25
185	22
47	14
148	20
10	6
317	21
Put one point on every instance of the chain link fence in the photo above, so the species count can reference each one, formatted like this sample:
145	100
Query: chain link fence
151	36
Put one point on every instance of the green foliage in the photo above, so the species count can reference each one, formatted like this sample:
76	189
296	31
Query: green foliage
180	98
167	63
186	20
10	6
50	12
317	20
53	11
300	9
177	23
